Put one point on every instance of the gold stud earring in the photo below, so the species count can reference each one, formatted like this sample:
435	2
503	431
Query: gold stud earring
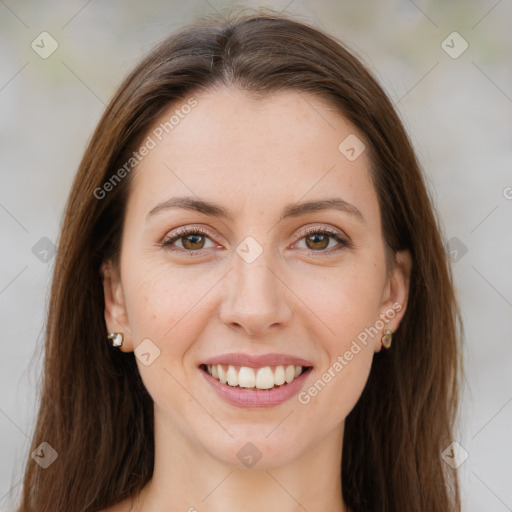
116	339
387	338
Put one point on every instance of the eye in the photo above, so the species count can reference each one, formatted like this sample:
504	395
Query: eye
318	241
191	240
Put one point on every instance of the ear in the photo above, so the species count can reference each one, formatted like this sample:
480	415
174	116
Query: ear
396	293
116	318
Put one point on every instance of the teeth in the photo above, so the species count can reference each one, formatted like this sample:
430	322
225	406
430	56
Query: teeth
265	378
280	375
232	376
290	373
261	378
246	377
222	374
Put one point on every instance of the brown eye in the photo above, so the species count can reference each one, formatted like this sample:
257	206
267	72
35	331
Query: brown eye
191	240
317	241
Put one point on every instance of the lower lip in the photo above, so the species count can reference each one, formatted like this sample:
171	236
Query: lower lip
256	397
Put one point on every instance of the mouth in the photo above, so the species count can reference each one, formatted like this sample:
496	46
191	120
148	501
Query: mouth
255	378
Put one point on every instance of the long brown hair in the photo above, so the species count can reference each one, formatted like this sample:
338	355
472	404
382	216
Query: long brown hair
94	410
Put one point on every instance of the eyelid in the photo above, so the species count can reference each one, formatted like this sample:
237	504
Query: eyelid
315	229
343	240
182	231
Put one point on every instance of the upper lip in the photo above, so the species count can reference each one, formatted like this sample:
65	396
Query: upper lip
255	361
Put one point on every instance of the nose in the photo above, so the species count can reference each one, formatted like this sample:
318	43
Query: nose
256	300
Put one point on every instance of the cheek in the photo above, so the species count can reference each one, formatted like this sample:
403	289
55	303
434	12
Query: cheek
163	302
345	308
345	301
348	311
165	306
339	387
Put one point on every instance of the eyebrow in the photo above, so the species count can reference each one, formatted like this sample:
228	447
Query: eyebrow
213	209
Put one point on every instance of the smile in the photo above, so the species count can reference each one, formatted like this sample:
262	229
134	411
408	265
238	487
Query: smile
266	377
248	387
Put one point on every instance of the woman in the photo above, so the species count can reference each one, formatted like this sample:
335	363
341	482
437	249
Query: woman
251	307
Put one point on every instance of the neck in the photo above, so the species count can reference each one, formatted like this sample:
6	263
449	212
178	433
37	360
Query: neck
186	477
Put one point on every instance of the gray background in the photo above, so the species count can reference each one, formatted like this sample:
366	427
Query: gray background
457	110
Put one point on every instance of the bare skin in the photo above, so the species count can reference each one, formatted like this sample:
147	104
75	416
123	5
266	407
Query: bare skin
304	296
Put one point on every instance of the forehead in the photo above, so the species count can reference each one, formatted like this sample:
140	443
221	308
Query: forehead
247	153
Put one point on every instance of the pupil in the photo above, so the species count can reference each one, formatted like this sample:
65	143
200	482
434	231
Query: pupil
193	239
321	238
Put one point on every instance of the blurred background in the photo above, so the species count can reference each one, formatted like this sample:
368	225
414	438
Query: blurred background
446	66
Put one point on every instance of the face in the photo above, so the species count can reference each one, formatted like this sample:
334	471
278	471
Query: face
259	273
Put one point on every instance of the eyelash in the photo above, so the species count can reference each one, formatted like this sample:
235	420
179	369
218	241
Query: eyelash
183	232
